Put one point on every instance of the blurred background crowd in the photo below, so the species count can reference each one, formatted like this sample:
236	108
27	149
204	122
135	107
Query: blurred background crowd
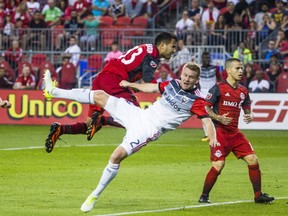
76	38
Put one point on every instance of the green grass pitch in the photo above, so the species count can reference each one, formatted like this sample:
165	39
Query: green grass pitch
166	174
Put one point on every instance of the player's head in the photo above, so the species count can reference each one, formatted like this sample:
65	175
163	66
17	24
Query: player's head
234	68
206	58
166	44
190	75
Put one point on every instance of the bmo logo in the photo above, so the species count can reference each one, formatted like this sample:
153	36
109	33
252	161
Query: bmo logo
270	112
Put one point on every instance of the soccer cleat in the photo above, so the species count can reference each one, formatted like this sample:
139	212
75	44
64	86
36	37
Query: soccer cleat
204	199
95	126
205	139
55	132
89	203
49	85
264	198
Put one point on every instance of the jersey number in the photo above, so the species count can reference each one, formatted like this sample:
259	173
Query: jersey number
132	57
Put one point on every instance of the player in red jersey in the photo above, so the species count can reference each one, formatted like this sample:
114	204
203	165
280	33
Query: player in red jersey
137	63
224	103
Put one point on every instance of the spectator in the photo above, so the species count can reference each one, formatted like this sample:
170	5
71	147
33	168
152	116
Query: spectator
243	53
99	7
281	42
229	15
5	82
266	26
52	14
114	53
218	32
241	6
235	33
279	13
81	7
22	12
13	55
259	85
2	15
271	50
197	32
20	33
25	80
38	26
219	4
73	51
273	73
71	28
195	9
65	60
249	73
7	32
10	7
65	10
116	9
264	9
88	40
149	9
209	15
184	27
163	75
133	8
182	56
33	6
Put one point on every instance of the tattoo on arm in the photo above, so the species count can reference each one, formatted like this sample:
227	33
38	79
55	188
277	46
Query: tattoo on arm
247	111
212	114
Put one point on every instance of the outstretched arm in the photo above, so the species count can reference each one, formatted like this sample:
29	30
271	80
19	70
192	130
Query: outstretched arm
143	87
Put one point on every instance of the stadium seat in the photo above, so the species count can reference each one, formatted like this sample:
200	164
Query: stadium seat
9	71
123	21
106	20
37	60
141	23
282	83
108	36
94	63
67	76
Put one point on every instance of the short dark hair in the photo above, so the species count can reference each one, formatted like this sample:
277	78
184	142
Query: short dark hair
230	60
164	37
205	53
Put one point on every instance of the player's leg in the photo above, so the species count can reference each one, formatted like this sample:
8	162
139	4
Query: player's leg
255	178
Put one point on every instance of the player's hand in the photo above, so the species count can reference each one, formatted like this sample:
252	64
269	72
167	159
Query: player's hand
224	119
124	84
214	142
5	103
248	118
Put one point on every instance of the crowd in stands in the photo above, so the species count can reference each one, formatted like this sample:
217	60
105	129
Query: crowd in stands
242	26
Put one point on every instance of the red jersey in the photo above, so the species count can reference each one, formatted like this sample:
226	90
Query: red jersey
79	5
225	99
13	55
137	63
26	81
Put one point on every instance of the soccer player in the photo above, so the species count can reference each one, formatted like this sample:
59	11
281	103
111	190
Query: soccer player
180	100
209	76
4	103
137	63
224	102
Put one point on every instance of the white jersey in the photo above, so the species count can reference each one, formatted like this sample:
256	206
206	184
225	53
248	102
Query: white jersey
208	78
174	107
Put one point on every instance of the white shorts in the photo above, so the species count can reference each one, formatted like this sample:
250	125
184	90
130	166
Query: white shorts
139	130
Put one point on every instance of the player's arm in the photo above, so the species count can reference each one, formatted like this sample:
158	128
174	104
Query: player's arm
211	132
246	106
143	87
223	119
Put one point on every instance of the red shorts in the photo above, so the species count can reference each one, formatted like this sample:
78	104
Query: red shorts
109	83
230	141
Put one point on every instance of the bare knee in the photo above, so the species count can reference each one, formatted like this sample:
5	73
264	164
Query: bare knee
218	165
118	155
251	159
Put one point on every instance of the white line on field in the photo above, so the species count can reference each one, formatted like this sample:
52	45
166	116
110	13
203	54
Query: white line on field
182	208
82	145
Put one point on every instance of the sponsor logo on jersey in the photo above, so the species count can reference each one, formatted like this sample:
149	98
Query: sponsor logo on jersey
173	103
218	153
153	64
184	100
227	94
208	96
230	103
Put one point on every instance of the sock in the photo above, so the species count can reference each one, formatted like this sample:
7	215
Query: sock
76	128
210	180
108	175
108	120
255	178
80	95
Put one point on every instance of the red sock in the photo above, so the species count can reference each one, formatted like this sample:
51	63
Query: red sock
255	178
105	120
210	180
76	128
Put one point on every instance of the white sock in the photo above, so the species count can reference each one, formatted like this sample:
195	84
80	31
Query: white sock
80	95
108	175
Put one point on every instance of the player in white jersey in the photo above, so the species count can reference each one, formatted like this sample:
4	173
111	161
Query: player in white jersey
180	100
209	76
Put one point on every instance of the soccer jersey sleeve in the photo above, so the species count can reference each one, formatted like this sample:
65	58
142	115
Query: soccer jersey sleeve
198	108
213	95
161	86
247	102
